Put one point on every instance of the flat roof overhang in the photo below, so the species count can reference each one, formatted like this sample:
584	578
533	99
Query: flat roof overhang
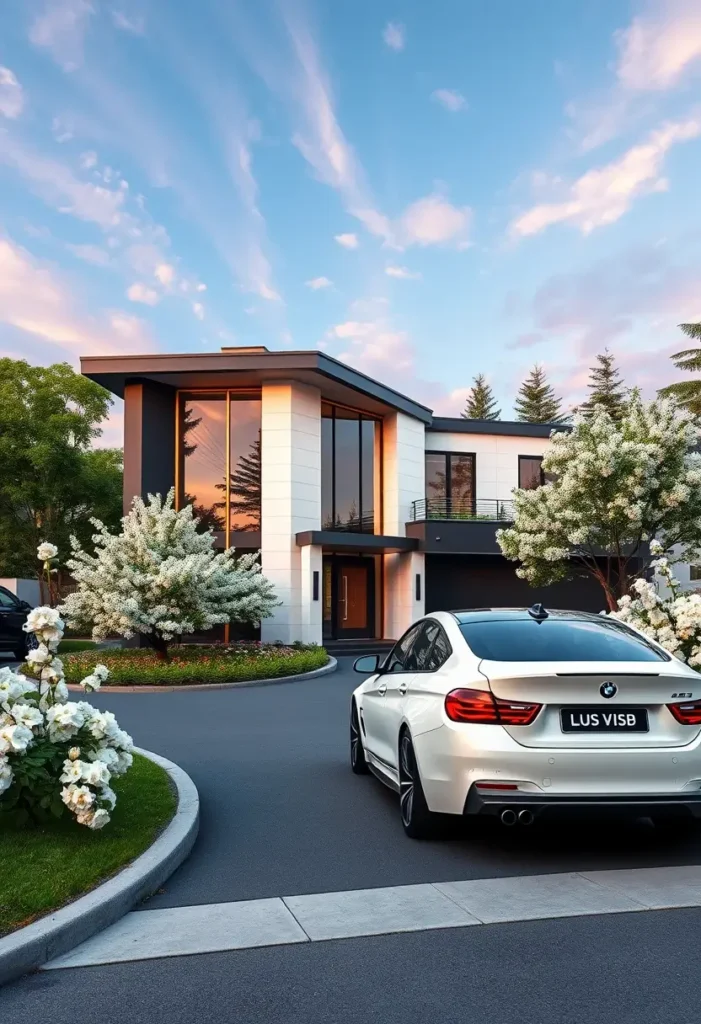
190	371
367	543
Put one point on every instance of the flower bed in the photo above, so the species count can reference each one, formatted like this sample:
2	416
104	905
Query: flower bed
191	664
54	863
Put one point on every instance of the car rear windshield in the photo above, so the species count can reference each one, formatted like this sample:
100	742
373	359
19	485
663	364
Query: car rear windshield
556	640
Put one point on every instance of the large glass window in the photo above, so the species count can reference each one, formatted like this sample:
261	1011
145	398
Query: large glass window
206	456
350	466
450	483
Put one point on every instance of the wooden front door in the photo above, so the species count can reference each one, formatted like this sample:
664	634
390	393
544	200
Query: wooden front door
354	598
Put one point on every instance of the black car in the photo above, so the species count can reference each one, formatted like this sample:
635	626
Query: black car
13	615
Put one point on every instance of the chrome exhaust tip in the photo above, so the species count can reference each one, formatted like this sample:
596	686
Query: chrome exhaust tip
508	817
526	817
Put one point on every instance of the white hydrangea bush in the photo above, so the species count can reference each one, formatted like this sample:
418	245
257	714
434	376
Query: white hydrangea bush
673	621
162	579
614	487
56	755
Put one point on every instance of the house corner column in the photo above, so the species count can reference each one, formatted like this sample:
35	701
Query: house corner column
403	483
290	504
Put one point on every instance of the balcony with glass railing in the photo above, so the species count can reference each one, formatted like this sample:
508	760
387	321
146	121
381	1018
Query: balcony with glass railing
486	510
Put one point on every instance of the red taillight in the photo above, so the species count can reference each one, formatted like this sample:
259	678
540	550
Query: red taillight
482	707
688	712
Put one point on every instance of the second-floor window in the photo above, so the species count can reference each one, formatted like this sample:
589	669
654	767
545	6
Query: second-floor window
350	470
530	472
450	483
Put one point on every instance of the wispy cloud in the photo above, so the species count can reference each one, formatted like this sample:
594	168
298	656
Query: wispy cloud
658	47
450	99
402	273
58	185
658	51
394	35
34	300
317	283
603	195
140	292
11	94
60	29
134	24
375	347
348	240
94	254
198	310
434	221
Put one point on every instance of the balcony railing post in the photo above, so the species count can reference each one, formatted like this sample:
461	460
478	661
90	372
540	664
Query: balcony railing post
485	509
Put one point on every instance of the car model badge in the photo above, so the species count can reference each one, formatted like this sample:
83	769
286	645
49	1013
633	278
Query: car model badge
608	690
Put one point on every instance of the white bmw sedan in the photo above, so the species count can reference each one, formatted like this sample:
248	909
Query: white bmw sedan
519	712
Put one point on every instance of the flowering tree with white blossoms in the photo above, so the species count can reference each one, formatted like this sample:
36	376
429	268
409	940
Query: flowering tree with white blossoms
616	485
674	622
56	755
162	579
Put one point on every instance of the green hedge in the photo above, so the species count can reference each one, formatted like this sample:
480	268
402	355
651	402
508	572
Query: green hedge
197	663
69	646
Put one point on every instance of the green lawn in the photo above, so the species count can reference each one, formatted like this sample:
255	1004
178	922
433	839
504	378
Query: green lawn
45	866
191	663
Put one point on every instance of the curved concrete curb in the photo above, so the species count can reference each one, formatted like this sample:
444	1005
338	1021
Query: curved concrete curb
325	670
30	947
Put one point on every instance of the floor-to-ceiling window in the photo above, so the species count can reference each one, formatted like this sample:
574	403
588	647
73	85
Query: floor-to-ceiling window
350	470
219	449
450	483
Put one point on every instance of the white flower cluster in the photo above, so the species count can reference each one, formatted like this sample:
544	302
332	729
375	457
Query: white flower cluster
615	485
674	622
162	578
85	746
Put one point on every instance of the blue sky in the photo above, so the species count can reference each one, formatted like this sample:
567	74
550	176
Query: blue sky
428	191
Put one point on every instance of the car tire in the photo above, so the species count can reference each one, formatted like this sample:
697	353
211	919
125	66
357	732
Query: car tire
359	765
417	820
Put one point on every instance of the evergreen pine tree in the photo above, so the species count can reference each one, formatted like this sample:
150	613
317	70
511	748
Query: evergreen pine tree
606	387
687	392
481	405
536	401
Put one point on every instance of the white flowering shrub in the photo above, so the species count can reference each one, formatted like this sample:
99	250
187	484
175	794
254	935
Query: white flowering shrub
615	486
56	755
673	621
162	579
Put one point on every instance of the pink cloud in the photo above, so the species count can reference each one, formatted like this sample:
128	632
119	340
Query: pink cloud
603	195
35	300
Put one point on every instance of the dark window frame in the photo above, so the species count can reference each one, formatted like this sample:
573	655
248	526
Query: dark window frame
449	476
378	469
530	458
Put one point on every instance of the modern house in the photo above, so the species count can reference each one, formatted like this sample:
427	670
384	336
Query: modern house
368	510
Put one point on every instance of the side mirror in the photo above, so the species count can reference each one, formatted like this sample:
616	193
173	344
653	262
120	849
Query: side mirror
25	606
367	665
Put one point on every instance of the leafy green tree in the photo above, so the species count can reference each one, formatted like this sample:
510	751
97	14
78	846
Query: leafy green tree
52	481
687	392
481	405
606	387
536	401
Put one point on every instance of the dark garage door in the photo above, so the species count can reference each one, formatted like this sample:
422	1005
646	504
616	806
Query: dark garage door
489	581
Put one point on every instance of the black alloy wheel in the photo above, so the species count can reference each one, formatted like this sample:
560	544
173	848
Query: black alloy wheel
417	819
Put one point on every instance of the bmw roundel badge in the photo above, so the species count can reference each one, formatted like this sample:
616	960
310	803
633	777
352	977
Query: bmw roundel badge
608	690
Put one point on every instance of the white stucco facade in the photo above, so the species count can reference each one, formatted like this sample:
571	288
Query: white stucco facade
290	504
496	458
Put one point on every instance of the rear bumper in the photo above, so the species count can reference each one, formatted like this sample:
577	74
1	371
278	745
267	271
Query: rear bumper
657	805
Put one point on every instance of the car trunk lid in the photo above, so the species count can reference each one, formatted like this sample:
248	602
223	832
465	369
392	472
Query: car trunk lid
583	687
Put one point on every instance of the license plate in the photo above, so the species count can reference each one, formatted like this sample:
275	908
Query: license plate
599	720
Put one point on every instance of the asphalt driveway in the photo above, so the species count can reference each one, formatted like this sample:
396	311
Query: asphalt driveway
282	813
